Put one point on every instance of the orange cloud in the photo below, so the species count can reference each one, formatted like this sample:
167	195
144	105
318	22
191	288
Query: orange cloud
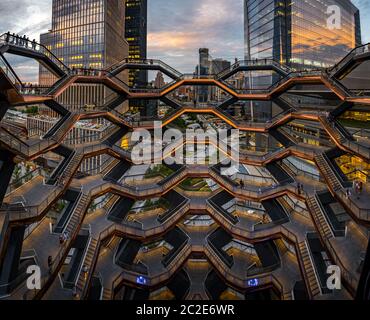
171	40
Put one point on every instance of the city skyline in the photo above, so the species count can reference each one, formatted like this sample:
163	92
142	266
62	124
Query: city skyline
175	40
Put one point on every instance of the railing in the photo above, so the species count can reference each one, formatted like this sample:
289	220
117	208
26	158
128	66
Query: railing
173	254
34	89
261	270
180	172
86	72
225	258
103	135
329	166
22	42
30	212
301	170
56	176
10	74
85	230
343	131
130	276
16	144
260	226
352	281
263	279
362	133
58	84
141	89
349	203
60	256
8	288
107	165
280	184
336	84
357	148
294	75
228	216
149	62
252	63
357	51
167	215
277	84
333	230
15	184
136	229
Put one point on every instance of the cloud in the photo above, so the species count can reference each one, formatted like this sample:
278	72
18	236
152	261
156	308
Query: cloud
182	27
26	16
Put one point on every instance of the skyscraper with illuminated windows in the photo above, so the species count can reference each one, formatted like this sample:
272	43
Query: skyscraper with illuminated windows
136	36
86	34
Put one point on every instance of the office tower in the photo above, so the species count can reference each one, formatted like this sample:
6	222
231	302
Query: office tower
136	36
86	34
202	70
299	34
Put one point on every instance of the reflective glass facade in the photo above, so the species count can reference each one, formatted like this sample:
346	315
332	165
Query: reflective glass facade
297	33
87	33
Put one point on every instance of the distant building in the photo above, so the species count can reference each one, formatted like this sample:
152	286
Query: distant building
216	66
203	69
159	80
209	66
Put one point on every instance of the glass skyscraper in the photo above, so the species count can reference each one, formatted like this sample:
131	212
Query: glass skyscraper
86	34
296	33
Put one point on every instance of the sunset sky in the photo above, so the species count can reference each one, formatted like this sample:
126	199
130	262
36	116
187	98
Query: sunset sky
176	28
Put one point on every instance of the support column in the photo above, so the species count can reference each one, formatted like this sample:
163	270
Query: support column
10	267
7	165
4	107
363	291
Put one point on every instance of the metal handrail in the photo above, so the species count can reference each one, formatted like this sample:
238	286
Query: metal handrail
257	62
8	38
356	51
